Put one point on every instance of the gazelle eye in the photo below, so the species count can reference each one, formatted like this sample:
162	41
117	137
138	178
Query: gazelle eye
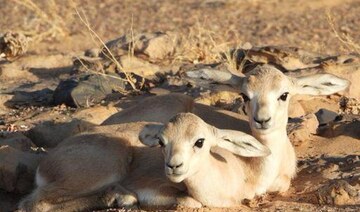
245	98
284	96
199	143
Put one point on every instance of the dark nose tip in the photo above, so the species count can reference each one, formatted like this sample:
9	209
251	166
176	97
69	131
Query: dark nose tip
174	166
262	121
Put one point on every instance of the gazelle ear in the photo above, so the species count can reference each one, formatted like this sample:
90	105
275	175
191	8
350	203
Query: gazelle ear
241	143
149	134
216	76
320	84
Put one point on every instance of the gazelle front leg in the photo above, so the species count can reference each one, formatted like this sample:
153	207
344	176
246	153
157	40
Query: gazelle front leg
281	184
119	196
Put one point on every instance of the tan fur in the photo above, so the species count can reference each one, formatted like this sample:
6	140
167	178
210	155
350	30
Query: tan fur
259	78
280	167
87	171
205	172
272	173
153	109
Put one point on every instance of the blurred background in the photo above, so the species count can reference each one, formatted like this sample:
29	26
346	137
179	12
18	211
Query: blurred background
325	26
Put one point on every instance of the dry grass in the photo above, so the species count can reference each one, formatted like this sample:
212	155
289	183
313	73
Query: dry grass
201	45
345	39
51	21
106	51
54	24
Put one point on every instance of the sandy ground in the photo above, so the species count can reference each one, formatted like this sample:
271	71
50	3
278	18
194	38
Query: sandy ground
324	158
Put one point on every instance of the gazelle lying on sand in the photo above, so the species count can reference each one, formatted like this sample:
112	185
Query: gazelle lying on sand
88	185
266	92
99	170
205	159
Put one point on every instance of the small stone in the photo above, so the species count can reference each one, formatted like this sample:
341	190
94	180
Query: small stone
86	90
338	192
156	45
94	52
300	129
311	123
325	116
131	64
295	109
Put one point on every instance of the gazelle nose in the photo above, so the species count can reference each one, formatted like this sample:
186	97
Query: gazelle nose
262	121
174	166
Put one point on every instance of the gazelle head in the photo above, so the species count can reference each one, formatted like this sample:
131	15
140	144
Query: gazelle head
266	92
187	141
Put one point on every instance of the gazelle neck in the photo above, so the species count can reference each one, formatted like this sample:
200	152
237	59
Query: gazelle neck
274	140
207	185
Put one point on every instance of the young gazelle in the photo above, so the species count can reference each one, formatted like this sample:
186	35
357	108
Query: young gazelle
207	160
100	169
266	92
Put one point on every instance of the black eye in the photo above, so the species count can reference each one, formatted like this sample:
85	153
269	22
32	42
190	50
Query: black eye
161	143
199	143
284	96
245	98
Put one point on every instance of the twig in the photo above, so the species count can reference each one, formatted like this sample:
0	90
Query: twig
345	39
112	57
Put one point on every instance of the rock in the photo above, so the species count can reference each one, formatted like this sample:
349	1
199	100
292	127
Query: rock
343	125
17	169
295	109
339	192
311	123
300	129
325	116
86	91
299	136
50	133
160	46
94	52
138	66
95	115
349	106
157	45
4	98
285	58
312	104
17	141
331	171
